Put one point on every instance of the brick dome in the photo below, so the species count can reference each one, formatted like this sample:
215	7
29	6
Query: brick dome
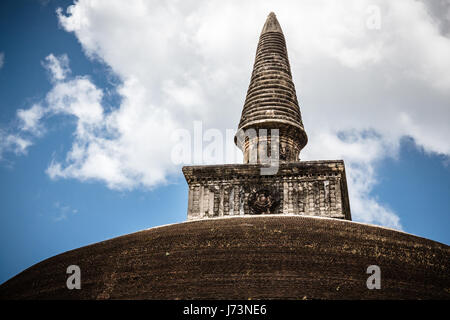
257	257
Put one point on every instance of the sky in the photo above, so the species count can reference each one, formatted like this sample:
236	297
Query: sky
93	94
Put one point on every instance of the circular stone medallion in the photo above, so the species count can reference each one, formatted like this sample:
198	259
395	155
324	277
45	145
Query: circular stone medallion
263	200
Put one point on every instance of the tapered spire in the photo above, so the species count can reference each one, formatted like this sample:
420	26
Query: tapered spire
271	101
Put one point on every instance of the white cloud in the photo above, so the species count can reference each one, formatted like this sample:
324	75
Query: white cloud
129	158
10	142
361	90
57	66
30	119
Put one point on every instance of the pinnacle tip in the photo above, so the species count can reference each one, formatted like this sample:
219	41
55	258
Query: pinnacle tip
272	24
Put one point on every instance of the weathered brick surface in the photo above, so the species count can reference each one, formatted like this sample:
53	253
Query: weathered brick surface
258	257
315	188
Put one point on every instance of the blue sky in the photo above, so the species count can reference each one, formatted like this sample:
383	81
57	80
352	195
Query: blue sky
37	214
402	176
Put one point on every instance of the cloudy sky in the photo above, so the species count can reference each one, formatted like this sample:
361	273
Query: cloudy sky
92	92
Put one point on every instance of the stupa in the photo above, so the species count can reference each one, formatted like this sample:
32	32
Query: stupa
274	227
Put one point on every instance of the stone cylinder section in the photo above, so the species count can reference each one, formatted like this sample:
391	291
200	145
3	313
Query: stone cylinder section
312	188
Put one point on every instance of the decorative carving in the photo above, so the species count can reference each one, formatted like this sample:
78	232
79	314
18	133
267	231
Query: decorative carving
284	153
300	186
263	200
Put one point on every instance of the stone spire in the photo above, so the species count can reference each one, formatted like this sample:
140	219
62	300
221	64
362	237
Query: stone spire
263	185
271	101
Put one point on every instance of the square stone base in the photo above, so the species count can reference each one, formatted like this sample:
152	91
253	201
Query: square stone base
313	188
